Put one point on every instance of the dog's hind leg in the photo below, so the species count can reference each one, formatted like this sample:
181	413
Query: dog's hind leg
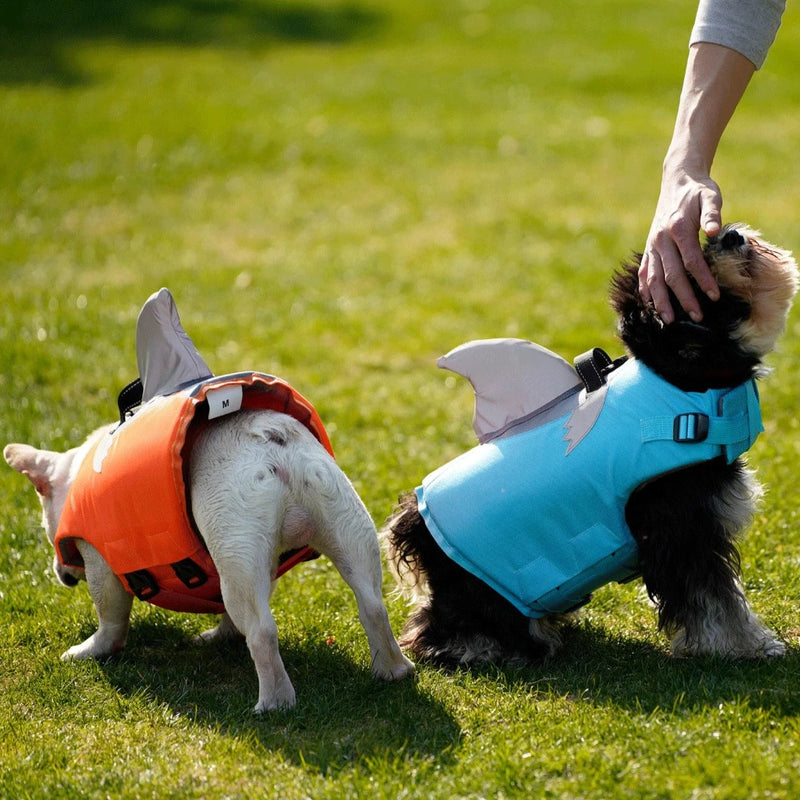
246	589
343	531
365	579
458	619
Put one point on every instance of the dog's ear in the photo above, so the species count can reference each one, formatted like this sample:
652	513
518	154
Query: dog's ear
624	294
36	465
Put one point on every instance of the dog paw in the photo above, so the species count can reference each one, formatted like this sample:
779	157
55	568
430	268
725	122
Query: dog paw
395	670
283	698
214	635
224	630
88	649
76	653
773	648
741	644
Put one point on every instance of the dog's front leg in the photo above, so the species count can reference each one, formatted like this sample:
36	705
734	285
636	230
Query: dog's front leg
690	563
113	606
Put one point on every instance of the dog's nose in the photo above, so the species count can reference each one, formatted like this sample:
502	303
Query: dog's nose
731	240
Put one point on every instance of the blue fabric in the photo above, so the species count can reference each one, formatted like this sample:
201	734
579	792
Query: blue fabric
540	516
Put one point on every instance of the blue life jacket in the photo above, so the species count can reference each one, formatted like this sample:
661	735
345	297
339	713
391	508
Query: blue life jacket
539	515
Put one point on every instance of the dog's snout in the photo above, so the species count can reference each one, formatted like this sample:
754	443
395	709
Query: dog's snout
732	239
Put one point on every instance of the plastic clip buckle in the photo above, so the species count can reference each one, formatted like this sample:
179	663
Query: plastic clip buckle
690	428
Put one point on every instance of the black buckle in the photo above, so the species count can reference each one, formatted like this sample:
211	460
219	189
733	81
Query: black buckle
142	584
191	574
690	428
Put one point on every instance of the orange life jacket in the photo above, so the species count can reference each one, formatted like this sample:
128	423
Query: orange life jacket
129	498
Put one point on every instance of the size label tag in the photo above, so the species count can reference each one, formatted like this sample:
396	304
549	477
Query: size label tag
224	400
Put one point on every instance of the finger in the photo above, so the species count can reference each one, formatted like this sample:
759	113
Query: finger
644	269
711	224
656	290
711	211
695	264
692	261
677	279
705	280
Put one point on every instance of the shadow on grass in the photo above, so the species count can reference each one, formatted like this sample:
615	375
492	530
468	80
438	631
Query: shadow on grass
35	37
597	668
343	715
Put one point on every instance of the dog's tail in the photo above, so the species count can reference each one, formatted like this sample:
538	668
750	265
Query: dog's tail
406	539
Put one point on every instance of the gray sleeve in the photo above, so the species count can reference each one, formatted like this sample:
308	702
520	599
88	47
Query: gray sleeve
747	26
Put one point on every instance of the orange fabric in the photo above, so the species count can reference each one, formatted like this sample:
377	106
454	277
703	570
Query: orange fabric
129	497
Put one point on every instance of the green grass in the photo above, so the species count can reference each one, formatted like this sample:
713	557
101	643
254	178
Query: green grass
339	192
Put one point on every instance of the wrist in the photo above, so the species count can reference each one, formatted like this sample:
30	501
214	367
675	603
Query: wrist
682	161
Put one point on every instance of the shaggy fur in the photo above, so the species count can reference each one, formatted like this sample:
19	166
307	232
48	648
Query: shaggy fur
260	485
685	523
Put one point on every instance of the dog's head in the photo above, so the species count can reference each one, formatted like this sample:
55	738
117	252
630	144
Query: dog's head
757	282
51	474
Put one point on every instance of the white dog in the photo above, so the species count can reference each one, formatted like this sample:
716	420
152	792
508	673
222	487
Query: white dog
259	485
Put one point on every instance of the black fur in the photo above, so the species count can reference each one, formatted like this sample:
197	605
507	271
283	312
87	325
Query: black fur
693	550
459	607
685	523
692	356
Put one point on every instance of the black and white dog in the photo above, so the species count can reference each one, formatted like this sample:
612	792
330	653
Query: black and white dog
681	522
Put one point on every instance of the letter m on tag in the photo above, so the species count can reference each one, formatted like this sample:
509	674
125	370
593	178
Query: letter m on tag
225	400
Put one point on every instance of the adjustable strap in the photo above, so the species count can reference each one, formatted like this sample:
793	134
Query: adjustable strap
593	367
190	574
734	427
129	398
142	584
145	586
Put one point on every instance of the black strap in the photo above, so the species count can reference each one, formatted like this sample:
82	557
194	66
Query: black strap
142	584
129	398
594	365
190	573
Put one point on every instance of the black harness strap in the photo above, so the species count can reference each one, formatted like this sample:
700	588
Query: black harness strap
129	398
593	367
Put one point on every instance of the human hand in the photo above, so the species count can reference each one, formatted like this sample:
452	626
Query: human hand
686	204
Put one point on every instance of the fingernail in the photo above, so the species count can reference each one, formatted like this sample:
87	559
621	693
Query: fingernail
696	316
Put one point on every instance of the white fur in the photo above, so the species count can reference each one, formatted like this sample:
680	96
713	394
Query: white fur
728	630
260	484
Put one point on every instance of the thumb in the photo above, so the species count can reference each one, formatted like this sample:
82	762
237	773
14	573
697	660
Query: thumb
711	211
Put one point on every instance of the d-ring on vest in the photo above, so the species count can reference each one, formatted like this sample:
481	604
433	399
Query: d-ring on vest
129	499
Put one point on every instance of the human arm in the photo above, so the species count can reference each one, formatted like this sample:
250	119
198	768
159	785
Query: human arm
716	78
730	39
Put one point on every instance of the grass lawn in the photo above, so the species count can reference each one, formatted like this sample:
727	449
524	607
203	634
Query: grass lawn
337	192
